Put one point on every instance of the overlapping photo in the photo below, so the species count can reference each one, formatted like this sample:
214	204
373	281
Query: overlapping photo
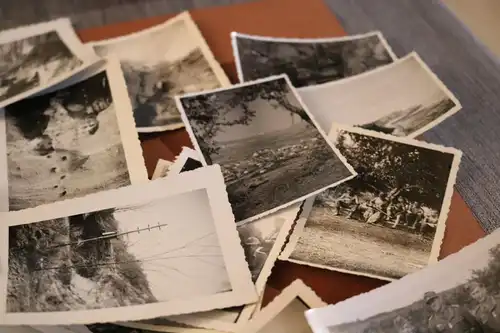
387	222
71	142
269	147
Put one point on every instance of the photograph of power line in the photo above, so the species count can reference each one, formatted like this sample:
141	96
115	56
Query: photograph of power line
124	255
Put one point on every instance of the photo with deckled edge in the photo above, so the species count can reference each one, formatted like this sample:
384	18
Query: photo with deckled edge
387	222
70	142
181	63
286	312
309	61
38	56
460	294
258	132
135	327
404	98
162	168
83	245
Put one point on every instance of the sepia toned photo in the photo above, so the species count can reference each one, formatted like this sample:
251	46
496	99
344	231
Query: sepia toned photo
460	294
69	143
404	98
269	147
115	256
309	61
286	312
387	222
161	62
37	56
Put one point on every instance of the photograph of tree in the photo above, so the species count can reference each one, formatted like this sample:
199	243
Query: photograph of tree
309	61
269	149
64	144
33	62
159	63
403	99
383	222
116	257
461	294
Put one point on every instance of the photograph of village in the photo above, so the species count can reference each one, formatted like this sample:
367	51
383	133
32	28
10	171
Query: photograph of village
64	144
258	133
309	62
178	65
33	62
383	222
115	257
473	305
403	99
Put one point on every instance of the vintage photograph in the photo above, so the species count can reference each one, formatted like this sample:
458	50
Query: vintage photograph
404	98
286	312
131	258
270	149
71	142
388	221
187	160
161	169
309	61
460	294
37	56
161	62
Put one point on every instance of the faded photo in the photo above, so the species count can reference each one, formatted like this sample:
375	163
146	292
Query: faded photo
64	144
270	150
384	222
112	328
159	63
116	257
290	319
460	294
33	62
309	61
403	99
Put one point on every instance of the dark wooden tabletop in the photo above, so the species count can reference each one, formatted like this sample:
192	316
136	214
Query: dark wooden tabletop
280	18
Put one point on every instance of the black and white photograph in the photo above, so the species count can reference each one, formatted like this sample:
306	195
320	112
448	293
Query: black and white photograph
116	255
37	56
269	147
187	160
404	98
285	313
309	61
70	142
161	62
460	294
387	222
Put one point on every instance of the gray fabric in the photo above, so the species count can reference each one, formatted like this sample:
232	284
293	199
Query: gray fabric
426	26
466	67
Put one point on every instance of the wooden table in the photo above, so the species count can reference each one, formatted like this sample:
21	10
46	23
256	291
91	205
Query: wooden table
280	18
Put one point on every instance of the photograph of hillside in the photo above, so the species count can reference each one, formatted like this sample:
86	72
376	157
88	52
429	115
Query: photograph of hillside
116	257
403	99
269	149
309	61
64	144
160	63
33	62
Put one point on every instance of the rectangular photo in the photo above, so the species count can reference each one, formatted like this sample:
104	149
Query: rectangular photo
286	312
38	56
459	294
70	142
309	61
125	255
404	98
387	222
160	62
269	147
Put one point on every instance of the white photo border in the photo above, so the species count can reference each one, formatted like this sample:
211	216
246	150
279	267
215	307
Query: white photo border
162	169
209	179
336	152
443	213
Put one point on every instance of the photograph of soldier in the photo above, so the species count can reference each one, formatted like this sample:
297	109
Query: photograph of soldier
348	201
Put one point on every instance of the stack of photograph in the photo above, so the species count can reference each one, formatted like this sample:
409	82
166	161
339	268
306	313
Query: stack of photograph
310	158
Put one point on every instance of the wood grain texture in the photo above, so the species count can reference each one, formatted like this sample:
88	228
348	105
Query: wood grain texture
283	18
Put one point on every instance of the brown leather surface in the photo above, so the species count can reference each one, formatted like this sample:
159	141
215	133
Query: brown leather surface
281	18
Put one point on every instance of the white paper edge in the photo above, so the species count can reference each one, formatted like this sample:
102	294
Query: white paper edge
162	167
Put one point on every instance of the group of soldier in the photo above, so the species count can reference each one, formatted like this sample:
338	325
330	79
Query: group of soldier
396	210
448	317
